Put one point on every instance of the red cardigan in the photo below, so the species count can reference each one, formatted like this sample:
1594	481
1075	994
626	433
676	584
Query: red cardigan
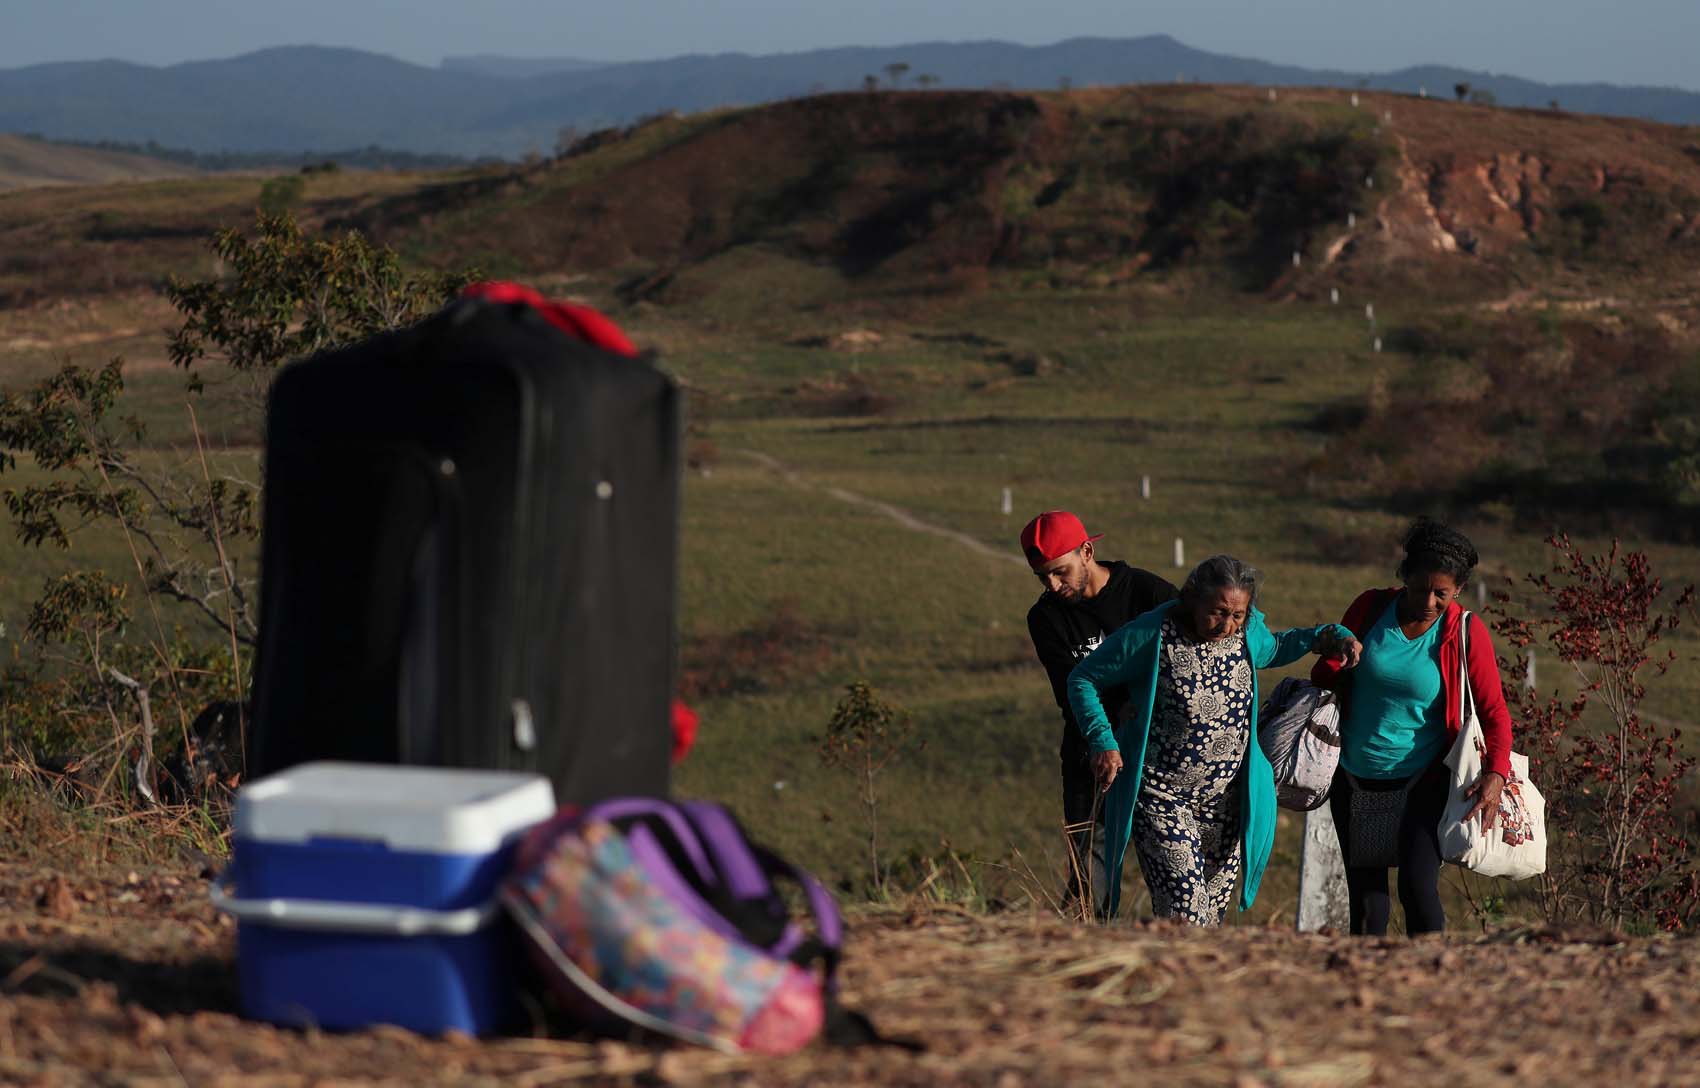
1484	673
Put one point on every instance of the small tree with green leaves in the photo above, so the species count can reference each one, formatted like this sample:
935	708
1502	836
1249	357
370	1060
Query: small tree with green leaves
287	294
866	734
895	71
283	294
83	611
82	608
179	525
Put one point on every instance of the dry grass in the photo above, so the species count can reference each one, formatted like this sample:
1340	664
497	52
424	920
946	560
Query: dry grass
26	163
127	977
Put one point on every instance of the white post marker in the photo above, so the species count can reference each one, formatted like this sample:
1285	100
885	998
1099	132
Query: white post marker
1322	876
1422	92
1378	345
1387	117
1180	553
1369	312
1529	672
1297	258
1145	487
1369	181
1007	504
1334	295
1481	594
1354	100
1271	94
1351	220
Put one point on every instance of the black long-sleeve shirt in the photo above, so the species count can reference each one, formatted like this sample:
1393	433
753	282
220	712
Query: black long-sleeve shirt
1063	632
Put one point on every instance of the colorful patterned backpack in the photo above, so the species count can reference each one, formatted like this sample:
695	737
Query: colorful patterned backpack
664	916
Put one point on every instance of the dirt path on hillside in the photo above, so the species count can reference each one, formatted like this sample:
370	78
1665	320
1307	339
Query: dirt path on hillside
129	979
896	513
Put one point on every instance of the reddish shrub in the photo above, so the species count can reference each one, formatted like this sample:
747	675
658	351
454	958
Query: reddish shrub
1620	852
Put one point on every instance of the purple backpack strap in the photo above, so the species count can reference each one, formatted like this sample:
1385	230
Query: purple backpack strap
620	808
749	872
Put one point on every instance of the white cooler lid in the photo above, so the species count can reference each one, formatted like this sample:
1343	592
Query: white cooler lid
430	809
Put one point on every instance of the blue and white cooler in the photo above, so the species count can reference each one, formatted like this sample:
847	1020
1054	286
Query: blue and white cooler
366	894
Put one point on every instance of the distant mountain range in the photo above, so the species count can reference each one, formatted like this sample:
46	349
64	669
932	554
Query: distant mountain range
487	64
305	98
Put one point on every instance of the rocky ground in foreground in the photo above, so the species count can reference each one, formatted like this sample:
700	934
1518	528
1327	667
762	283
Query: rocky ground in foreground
128	978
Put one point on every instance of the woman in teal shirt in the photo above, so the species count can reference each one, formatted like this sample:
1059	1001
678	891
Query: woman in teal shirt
1401	711
1183	779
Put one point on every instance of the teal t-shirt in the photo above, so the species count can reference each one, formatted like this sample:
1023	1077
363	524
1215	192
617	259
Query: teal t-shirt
1396	724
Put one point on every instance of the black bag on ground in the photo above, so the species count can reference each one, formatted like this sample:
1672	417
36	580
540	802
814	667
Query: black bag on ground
470	556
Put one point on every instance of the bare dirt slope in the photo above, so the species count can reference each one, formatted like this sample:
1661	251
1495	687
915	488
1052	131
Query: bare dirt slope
127	978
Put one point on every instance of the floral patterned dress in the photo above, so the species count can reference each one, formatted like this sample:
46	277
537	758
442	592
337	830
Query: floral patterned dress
1186	822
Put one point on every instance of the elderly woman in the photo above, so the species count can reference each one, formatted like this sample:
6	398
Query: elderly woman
1182	776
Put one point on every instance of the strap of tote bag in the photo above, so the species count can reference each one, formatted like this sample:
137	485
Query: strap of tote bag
1466	700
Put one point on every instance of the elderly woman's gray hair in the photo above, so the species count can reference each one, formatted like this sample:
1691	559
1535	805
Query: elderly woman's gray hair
1221	572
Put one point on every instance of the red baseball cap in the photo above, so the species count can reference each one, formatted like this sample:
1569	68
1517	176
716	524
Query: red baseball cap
1053	535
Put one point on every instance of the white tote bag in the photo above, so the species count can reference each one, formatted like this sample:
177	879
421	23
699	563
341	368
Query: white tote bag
1516	844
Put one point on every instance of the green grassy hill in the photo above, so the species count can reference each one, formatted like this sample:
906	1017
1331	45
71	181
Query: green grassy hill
1096	188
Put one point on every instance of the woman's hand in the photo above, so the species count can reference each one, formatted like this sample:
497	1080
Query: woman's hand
1486	791
1105	767
1350	650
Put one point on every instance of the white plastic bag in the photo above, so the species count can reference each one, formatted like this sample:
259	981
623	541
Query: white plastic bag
1516	845
1299	730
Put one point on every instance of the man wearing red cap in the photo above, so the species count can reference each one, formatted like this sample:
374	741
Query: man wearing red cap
1084	600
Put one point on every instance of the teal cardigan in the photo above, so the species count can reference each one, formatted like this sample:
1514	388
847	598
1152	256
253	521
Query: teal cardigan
1129	658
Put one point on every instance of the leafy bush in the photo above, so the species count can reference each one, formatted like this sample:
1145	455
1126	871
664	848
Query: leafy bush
1247	189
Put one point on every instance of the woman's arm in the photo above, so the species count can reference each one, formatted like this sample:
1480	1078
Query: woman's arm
1109	666
1329	673
1295	642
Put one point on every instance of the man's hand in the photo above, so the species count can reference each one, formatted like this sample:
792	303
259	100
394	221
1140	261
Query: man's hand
1105	767
1349	650
1486	791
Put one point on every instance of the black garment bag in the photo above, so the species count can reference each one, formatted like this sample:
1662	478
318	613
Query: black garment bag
470	556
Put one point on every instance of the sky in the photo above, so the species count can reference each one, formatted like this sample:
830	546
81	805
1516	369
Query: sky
1554	41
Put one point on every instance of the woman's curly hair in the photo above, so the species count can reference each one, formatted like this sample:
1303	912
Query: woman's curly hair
1434	548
